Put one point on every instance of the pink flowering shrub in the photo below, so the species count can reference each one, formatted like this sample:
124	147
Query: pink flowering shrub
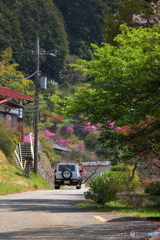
70	129
64	142
47	133
26	138
79	147
84	172
90	128
110	123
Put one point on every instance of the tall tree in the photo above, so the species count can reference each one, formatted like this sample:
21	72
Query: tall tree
23	21
125	78
84	20
134	13
11	77
125	87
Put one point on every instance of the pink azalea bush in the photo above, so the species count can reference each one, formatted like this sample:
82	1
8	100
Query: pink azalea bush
70	129
84	172
90	128
64	142
110	123
79	147
26	138
47	133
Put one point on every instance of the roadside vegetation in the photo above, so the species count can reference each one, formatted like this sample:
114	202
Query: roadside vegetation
12	179
116	191
149	207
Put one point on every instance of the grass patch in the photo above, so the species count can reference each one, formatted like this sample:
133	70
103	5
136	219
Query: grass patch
149	208
12	179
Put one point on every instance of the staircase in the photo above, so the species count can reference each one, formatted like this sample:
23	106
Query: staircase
26	152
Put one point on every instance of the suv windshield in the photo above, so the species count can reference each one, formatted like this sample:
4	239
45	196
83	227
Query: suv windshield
63	167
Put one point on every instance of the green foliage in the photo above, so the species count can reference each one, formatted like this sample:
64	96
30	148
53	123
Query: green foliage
127	73
9	71
46	144
125	11
84	21
124	88
12	180
8	140
23	20
120	168
47	152
54	157
126	169
92	138
153	188
105	186
149	208
128	184
99	191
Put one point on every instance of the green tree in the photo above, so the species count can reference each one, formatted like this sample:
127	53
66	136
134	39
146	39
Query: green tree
22	21
11	77
125	79
134	13
125	86
84	20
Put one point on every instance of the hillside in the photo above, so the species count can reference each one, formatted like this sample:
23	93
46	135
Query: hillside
12	179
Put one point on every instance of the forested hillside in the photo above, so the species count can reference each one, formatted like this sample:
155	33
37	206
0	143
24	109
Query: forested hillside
69	27
123	59
22	21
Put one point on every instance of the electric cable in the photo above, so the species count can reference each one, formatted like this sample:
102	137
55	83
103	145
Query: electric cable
19	79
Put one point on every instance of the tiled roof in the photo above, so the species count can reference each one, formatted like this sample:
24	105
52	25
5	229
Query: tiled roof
96	163
10	102
14	94
58	147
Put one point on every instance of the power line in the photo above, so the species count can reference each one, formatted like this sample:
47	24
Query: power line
13	79
29	51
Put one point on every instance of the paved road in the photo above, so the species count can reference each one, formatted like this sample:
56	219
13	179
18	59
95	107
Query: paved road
51	214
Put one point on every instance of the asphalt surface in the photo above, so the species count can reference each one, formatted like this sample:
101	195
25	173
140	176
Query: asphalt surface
51	214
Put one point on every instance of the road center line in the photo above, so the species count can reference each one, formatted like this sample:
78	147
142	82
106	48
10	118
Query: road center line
101	218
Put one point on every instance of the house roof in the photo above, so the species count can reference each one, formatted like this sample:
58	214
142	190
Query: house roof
58	147
96	163
9	102
14	94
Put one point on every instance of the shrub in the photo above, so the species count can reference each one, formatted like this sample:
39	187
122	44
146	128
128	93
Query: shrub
104	187
54	156
99	190
153	188
46	144
120	168
126	169
91	138
47	152
7	143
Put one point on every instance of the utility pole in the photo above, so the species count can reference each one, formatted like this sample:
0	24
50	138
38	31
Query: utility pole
36	114
36	108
